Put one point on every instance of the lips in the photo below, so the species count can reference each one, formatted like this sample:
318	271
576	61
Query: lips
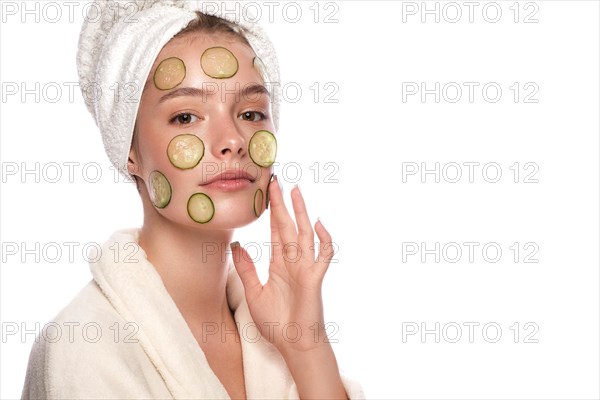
230	180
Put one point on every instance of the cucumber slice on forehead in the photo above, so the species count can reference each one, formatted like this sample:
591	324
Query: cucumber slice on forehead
169	73
200	208
258	202
219	63
263	148
260	67
185	151
160	189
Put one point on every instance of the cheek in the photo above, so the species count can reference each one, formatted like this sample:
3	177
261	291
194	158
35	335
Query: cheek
176	171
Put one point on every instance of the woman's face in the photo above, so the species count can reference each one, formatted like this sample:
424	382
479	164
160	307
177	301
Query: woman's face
197	116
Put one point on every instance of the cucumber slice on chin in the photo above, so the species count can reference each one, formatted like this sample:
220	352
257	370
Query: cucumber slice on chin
201	208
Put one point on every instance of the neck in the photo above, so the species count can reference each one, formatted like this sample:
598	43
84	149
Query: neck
192	263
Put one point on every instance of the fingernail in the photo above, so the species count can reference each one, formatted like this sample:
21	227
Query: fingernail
280	184
234	244
297	186
321	221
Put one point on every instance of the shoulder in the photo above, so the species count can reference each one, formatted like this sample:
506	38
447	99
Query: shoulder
88	318
85	351
88	302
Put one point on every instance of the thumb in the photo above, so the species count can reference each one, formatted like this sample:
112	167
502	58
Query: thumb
246	270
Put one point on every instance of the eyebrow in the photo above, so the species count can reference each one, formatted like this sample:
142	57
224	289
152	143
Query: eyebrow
254	89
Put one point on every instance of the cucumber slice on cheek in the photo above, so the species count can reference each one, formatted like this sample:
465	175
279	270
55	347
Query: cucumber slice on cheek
169	73
160	189
258	203
263	148
267	196
219	63
185	151
200	208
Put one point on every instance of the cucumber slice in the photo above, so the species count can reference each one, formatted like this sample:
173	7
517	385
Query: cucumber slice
200	208
258	202
185	151
263	148
260	67
219	63
160	189
169	73
267	196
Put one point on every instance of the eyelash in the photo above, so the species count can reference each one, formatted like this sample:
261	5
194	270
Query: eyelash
262	116
175	121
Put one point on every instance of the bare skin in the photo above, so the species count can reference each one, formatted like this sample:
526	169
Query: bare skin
176	245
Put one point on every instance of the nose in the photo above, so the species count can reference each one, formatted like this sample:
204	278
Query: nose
227	140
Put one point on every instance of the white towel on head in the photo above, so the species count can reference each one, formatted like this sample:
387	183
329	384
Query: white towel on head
118	44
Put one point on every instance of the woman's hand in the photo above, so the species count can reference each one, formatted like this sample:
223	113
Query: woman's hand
288	309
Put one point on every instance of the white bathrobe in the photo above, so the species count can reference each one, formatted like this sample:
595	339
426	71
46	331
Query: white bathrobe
123	337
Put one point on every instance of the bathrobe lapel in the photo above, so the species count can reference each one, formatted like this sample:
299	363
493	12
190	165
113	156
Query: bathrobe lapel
136	291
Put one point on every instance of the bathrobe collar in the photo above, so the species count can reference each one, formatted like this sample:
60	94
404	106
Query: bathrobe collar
136	291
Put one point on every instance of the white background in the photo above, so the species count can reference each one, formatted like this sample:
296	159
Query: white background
370	135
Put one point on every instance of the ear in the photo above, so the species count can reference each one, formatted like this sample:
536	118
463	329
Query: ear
133	163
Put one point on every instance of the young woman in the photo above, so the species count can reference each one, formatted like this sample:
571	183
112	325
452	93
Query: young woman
186	312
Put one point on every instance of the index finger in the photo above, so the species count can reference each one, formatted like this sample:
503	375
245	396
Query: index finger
282	223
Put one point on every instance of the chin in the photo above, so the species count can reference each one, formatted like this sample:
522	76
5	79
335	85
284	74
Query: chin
214	211
228	222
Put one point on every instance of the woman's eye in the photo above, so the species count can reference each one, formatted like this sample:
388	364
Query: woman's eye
252	116
184	118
